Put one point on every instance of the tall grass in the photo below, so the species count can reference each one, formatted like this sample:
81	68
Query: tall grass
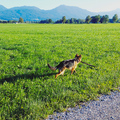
28	88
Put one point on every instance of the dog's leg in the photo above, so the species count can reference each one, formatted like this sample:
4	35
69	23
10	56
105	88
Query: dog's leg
60	72
73	70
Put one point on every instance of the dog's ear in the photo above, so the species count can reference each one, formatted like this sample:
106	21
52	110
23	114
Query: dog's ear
80	56
76	55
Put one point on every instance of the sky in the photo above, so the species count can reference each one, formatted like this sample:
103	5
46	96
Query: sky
90	5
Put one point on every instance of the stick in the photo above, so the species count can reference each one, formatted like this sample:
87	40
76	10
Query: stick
87	64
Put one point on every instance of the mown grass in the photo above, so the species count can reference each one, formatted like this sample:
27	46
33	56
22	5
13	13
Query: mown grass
28	88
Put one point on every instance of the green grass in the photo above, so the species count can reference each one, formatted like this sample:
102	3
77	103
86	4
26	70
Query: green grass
28	88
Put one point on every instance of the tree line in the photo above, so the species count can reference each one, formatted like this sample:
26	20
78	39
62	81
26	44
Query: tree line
13	21
101	19
89	19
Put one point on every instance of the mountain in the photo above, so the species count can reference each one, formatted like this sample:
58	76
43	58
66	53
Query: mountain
111	13
69	12
31	13
2	8
26	12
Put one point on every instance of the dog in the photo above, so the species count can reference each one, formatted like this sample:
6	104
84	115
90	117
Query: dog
70	64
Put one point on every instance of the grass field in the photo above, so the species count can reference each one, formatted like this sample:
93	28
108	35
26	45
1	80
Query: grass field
28	88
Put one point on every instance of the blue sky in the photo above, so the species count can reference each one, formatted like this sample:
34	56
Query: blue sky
91	5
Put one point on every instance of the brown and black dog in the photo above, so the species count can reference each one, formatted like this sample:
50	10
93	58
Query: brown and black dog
70	64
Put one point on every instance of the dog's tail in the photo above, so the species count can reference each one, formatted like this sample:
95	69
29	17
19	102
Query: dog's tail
52	68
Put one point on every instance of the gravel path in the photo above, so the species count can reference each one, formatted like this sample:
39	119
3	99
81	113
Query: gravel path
106	108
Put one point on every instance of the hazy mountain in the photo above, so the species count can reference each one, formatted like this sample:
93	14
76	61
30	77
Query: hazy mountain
30	13
69	12
2	8
26	12
111	13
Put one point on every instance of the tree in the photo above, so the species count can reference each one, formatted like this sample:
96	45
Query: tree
88	19
50	21
72	20
118	20
12	21
106	18
68	21
63	19
59	21
102	19
115	18
96	19
21	20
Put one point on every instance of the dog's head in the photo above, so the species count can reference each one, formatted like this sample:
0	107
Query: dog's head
78	57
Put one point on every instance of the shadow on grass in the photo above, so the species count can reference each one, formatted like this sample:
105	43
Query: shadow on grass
25	76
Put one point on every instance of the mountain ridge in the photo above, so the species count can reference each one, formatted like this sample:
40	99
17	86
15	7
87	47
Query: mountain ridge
32	13
2	8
